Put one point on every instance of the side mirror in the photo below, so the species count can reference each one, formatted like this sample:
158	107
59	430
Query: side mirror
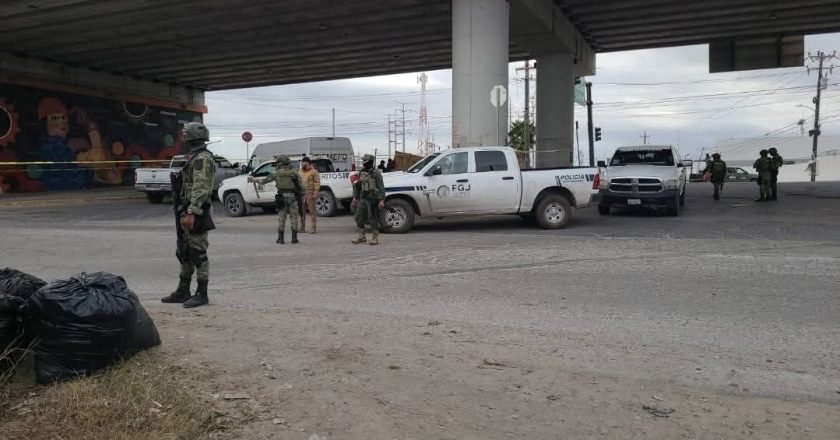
436	171
602	164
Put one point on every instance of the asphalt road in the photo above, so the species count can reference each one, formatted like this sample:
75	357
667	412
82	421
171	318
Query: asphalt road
728	288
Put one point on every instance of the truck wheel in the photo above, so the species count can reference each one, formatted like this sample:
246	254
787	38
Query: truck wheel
674	211
397	217
603	210
155	198
235	205
325	204
554	212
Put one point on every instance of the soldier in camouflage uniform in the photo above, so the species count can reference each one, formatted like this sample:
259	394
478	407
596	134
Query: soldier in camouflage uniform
775	164
717	174
369	198
762	165
288	191
196	188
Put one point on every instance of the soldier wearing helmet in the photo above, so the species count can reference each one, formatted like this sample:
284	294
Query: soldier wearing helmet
369	198
717	174
762	165
289	187
775	164
196	188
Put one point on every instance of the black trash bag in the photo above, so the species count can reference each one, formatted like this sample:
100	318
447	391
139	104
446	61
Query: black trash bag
11	331
16	283
86	324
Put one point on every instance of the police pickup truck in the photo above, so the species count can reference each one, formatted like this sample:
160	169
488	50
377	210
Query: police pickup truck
484	180
237	193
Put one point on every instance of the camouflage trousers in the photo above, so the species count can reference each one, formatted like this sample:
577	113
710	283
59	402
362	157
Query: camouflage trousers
196	258
290	209
367	212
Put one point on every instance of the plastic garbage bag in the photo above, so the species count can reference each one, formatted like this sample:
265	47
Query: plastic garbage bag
85	324
11	330
16	283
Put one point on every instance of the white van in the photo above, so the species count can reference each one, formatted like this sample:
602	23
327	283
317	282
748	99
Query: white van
337	149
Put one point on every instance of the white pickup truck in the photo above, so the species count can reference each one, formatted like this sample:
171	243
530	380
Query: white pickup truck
484	180
644	176
155	182
237	193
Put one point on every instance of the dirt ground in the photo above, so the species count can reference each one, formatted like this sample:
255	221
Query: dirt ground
311	374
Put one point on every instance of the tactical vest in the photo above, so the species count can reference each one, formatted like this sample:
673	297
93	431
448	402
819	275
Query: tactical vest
285	181
187	183
718	169
763	165
367	186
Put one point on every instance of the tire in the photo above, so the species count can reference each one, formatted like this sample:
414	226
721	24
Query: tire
398	217
674	211
325	205
603	210
553	212
269	209
155	198
235	205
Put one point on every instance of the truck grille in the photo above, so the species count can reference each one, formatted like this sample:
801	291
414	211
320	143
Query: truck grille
641	185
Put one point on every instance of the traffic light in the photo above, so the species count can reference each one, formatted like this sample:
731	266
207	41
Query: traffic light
597	133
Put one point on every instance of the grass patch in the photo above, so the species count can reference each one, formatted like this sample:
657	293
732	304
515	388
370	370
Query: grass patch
144	398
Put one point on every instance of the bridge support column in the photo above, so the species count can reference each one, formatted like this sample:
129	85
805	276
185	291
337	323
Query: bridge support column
480	31
555	110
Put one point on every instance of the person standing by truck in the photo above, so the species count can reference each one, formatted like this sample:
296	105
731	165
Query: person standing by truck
775	164
369	198
288	190
717	174
311	187
196	186
762	166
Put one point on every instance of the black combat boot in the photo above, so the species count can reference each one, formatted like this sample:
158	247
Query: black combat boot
294	237
200	297
280	238
180	295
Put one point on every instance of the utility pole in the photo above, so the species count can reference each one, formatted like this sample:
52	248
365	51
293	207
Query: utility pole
389	135
402	124
527	118
644	137
590	126
821	57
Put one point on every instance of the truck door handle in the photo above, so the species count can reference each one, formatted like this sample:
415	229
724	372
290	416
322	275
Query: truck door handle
463	180
507	178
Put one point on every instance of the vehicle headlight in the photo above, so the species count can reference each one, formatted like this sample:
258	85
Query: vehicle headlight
671	184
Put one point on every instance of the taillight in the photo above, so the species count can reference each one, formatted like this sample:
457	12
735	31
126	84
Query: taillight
596	182
353	178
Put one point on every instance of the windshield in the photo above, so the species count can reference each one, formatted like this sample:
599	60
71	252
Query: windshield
422	163
662	157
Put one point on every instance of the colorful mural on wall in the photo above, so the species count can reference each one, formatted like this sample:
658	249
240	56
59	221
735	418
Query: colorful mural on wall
61	141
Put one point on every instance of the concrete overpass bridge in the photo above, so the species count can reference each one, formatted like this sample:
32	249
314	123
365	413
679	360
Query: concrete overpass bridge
167	53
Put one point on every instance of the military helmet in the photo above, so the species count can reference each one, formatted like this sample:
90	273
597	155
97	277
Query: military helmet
196	131
763	152
368	158
716	155
283	161
772	150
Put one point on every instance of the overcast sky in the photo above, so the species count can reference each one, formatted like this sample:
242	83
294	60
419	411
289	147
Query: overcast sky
667	93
